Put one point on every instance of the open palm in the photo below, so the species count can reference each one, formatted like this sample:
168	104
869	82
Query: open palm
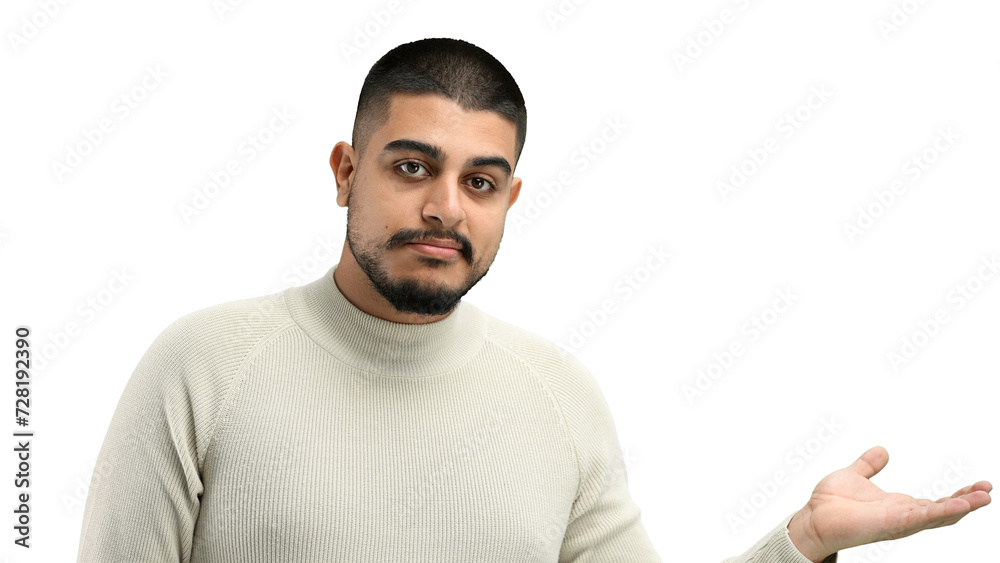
846	509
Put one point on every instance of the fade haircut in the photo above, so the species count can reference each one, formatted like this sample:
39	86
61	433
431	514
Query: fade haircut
463	72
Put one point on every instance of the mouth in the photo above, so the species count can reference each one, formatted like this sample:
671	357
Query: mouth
437	248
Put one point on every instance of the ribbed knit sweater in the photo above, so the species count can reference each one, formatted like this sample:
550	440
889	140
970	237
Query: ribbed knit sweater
296	427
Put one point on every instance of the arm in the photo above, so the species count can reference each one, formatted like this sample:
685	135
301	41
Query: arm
143	504
776	547
845	509
604	523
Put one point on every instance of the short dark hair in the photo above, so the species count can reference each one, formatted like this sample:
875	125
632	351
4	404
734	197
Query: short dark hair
463	72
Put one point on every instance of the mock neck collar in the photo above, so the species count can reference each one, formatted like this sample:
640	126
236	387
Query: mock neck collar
386	347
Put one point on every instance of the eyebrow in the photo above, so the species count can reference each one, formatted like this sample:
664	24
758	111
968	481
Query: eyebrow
436	153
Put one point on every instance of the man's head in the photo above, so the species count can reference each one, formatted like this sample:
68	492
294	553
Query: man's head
456	69
439	130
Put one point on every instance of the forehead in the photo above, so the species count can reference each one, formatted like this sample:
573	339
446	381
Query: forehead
437	120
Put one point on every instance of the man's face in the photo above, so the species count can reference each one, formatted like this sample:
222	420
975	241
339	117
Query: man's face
438	173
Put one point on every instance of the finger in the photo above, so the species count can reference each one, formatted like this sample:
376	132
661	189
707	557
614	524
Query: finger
929	515
951	520
977	499
963	491
946	513
870	462
970	494
984	486
948	522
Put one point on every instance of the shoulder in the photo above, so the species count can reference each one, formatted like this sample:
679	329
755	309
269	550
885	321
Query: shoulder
216	339
531	347
187	373
568	378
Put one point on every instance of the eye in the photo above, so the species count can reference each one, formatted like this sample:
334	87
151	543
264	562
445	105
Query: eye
410	168
481	184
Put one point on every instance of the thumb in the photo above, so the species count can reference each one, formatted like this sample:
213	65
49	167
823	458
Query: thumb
870	462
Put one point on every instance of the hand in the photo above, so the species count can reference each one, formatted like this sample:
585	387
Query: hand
846	510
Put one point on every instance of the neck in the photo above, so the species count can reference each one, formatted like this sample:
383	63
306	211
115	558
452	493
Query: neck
380	346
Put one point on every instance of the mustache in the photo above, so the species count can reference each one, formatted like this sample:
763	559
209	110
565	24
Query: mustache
407	236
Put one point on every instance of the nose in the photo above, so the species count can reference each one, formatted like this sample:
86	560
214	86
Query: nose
443	203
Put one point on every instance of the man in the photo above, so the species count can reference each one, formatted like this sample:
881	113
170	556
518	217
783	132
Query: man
371	416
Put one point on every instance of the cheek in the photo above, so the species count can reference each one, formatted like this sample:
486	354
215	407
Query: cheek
487	239
373	216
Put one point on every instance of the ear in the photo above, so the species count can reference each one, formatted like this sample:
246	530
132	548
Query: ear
343	162
515	190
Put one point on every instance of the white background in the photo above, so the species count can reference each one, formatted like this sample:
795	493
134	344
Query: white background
64	235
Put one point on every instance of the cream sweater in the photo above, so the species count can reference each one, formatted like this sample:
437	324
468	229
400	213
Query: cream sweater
296	427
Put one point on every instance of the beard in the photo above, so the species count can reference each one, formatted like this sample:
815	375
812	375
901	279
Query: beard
408	295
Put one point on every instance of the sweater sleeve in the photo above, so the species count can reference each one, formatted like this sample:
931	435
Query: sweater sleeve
145	493
776	547
144	496
604	524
